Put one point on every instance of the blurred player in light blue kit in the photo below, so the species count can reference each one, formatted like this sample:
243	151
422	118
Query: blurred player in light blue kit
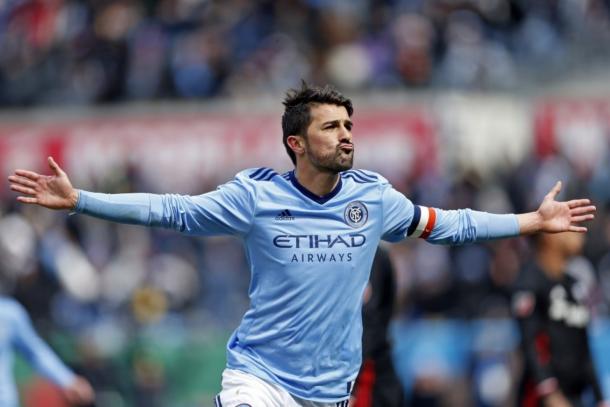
310	236
17	333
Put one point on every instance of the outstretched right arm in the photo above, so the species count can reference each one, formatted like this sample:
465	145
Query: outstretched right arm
228	210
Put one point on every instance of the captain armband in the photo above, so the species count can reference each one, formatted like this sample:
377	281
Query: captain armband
424	219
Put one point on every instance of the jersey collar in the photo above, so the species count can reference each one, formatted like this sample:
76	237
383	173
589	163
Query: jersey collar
311	195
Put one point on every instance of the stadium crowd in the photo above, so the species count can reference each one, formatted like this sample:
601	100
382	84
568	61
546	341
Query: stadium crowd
86	52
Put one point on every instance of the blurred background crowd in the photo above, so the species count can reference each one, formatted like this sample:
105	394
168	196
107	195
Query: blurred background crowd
144	314
92	51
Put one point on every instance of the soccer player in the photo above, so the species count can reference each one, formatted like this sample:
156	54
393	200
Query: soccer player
550	303
310	236
17	333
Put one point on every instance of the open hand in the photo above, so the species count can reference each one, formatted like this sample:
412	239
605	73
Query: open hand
51	191
555	216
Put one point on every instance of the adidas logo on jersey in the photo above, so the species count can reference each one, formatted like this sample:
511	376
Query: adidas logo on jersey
284	215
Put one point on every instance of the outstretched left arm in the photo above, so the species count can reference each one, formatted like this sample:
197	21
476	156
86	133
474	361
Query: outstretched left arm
553	216
456	227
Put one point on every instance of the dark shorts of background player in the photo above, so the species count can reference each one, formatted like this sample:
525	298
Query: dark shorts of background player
377	384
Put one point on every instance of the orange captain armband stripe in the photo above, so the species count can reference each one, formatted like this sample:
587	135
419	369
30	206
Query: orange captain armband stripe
423	222
430	225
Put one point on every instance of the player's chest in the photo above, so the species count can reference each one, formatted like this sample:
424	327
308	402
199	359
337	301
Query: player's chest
287	225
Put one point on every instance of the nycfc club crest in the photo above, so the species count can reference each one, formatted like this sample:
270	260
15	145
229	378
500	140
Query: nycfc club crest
356	214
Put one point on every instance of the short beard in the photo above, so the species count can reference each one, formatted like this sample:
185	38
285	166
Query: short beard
333	163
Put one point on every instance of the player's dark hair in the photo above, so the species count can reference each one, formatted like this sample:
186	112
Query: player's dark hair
297	109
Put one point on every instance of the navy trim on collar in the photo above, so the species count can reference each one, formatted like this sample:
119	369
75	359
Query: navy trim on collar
311	195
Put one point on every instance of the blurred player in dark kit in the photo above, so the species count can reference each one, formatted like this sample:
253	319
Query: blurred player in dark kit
550	303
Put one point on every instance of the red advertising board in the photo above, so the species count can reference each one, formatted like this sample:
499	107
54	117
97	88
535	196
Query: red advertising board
181	152
578	129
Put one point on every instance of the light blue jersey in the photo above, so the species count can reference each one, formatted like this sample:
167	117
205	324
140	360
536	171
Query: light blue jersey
16	333
309	258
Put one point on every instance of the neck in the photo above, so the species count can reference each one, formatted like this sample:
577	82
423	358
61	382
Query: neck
317	182
551	263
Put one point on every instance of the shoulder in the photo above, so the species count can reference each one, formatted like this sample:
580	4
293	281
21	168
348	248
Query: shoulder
250	178
256	175
370	182
260	174
359	176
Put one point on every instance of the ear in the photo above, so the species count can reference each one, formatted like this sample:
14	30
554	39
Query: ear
296	144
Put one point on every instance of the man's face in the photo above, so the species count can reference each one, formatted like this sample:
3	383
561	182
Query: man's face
328	144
